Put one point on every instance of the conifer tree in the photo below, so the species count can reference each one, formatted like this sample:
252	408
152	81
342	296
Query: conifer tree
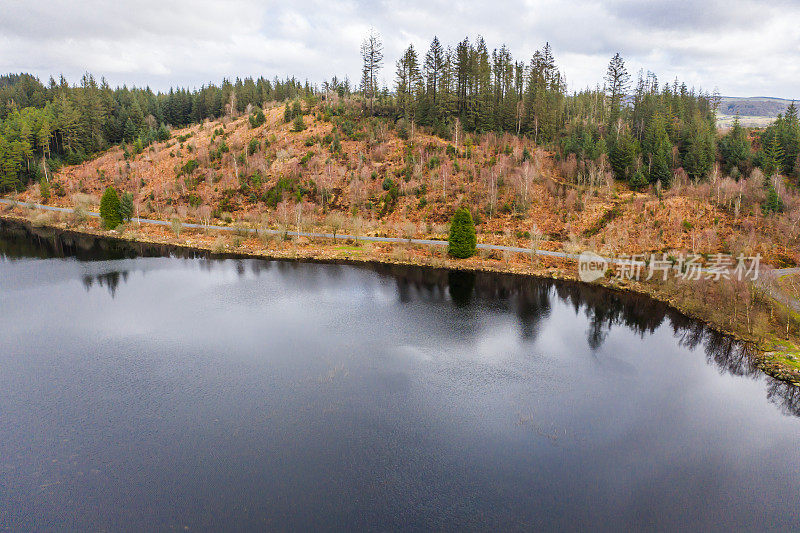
617	79
482	115
773	202
408	83
462	241
660	170
10	164
93	113
504	96
447	100
463	68
44	136
771	158
790	140
298	124
700	148
67	118
162	134
434	69
622	156
44	189
126	207
110	209
638	180
658	150
735	148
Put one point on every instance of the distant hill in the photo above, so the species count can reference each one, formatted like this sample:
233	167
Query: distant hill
754	111
757	106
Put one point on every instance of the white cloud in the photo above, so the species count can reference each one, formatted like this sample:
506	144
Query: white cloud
739	46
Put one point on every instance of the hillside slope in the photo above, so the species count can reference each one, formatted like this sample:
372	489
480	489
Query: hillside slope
365	175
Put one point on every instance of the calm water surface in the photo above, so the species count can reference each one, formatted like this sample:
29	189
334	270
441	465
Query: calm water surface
158	393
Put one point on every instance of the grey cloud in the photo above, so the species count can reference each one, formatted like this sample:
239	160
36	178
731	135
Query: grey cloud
739	46
709	15
60	19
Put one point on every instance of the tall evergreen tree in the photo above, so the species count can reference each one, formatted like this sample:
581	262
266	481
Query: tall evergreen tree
11	158
463	70
408	83
623	155
790	141
482	117
658	151
67	123
434	70
735	148
617	80
700	148
772	157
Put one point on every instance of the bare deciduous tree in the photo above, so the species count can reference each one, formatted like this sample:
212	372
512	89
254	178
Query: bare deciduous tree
205	215
536	240
335	221
372	55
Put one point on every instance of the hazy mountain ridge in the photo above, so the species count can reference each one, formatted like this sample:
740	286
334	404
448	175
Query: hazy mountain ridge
753	106
753	111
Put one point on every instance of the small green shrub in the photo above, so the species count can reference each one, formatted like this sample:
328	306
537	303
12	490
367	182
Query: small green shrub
190	166
162	134
773	202
638	180
306	158
298	124
257	119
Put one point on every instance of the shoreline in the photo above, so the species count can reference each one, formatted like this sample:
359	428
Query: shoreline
768	360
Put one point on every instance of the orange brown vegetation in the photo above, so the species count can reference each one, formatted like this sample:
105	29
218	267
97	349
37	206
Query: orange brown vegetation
516	191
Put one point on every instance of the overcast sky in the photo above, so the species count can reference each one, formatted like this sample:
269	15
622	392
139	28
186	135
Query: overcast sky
742	47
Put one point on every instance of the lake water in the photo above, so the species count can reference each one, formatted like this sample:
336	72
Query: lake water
140	391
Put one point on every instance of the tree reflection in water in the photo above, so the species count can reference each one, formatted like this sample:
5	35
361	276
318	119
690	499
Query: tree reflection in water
530	299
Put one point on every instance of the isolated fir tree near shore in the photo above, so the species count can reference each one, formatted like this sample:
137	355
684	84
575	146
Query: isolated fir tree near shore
110	209
462	241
